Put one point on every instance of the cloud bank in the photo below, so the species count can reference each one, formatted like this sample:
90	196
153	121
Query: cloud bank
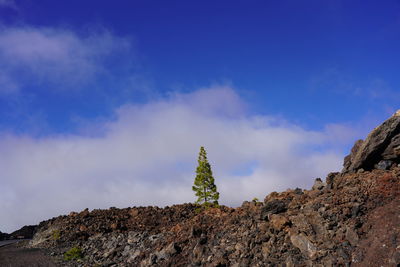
147	155
56	57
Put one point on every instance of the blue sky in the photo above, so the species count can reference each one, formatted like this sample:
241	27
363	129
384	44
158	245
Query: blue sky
86	88
290	58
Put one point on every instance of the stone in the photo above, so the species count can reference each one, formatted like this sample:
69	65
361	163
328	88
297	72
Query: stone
393	149
173	249
289	262
382	143
395	259
278	222
266	249
273	207
114	226
330	178
318	184
109	253
384	164
84	213
133	256
134	212
73	214
351	236
304	244
348	160
355	210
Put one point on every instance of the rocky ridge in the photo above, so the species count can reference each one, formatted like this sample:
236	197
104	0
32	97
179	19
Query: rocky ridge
380	150
349	219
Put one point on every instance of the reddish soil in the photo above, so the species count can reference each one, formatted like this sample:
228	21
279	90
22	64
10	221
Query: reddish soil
381	245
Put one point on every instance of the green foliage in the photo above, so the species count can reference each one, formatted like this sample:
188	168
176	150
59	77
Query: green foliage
256	200
204	184
198	210
74	253
56	235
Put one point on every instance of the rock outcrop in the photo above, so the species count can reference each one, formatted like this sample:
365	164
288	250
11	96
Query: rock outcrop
350	219
381	148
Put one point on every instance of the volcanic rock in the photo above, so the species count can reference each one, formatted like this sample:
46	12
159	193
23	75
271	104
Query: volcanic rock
304	244
318	184
380	146
351	220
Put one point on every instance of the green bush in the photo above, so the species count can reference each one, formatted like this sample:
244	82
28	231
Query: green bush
74	253
56	235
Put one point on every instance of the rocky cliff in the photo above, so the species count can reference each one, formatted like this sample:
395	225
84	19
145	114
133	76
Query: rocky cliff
350	219
381	148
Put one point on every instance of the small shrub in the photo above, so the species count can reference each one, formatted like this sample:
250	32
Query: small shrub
56	235
198	210
74	253
206	206
256	200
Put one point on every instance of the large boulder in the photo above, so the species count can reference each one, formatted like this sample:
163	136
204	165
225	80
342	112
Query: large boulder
380	149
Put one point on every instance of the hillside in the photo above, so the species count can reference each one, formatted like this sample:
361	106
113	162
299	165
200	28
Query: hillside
25	232
350	219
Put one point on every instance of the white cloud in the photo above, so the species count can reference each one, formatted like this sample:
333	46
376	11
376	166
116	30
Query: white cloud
53	56
147	156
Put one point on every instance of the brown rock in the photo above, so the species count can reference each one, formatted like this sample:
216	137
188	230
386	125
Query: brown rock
381	143
266	249
278	222
330	178
114	226
84	213
134	212
393	149
395	259
304	244
318	184
289	262
351	236
349	159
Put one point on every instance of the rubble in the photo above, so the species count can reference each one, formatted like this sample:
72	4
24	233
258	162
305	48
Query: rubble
351	219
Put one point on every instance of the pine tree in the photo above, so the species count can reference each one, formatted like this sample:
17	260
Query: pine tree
204	186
